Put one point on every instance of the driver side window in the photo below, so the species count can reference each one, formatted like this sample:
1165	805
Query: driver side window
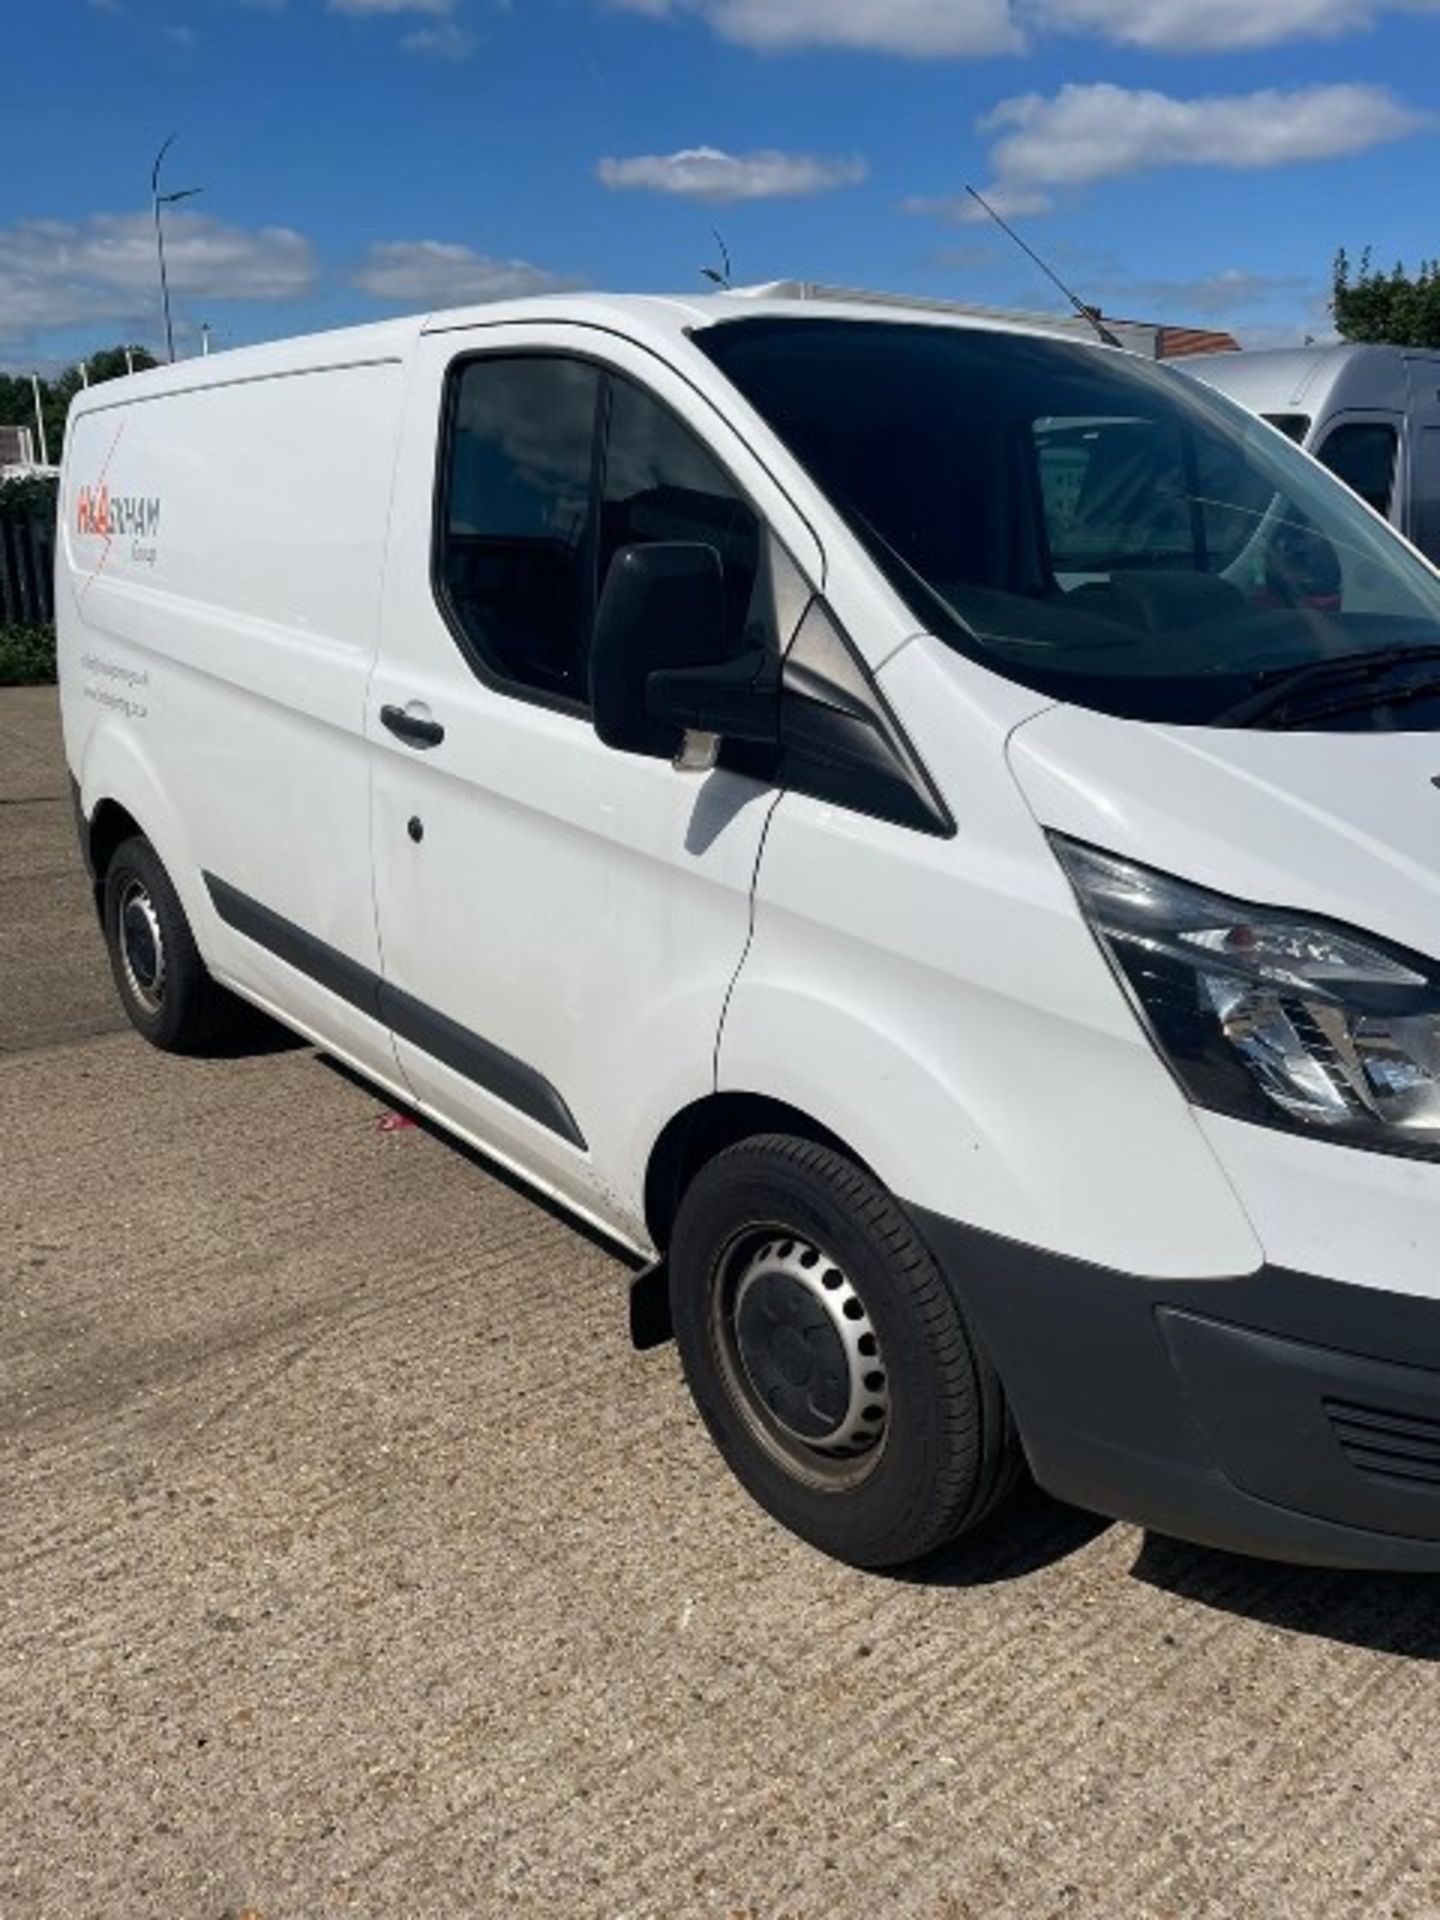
516	562
660	484
551	465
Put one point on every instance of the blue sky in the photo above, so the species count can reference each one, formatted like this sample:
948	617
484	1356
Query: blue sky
1187	160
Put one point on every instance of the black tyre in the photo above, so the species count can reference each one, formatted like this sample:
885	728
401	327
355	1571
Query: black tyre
162	981
830	1359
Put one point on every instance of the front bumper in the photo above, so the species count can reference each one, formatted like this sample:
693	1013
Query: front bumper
1276	1413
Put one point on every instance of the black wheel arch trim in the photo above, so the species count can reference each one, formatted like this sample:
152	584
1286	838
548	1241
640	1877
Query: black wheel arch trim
82	829
478	1060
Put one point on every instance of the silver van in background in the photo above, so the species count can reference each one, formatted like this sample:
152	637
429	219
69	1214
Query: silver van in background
1371	414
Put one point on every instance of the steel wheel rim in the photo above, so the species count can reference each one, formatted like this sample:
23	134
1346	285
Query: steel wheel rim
800	1357
142	946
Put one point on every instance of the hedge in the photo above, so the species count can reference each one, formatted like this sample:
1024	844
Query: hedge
27	656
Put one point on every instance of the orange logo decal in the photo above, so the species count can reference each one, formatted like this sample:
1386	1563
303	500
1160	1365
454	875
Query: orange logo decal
92	512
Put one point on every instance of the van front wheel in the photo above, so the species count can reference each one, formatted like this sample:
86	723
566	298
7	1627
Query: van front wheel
164	987
829	1358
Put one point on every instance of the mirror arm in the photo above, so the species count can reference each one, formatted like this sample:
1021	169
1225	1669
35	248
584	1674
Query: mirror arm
699	752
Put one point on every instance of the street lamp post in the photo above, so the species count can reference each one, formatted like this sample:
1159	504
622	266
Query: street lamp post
40	420
157	201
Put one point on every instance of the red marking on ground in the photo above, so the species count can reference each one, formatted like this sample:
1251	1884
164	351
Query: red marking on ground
395	1123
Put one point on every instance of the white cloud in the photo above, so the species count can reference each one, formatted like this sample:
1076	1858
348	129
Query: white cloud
1011	203
55	273
369	7
923	28
444	41
707	173
1088	133
976	258
939	29
1218	26
431	273
1213	296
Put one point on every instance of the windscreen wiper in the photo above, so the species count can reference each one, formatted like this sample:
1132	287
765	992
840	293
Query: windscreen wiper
1361	701
1275	690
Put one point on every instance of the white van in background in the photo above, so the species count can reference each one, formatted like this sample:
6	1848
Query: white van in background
1369	413
923	830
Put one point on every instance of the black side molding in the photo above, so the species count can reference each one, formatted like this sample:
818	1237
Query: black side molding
513	1081
489	1066
326	965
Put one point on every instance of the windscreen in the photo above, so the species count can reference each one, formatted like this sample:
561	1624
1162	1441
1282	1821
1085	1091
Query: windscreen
1080	520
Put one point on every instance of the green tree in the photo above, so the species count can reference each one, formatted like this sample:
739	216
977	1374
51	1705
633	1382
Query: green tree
17	396
1395	309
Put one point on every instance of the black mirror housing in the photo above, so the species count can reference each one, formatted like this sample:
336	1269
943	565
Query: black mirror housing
660	660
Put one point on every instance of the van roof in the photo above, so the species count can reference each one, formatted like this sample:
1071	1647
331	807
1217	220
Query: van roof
660	319
1310	379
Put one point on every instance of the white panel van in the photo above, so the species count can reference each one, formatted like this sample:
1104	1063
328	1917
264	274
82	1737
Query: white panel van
1369	413
924	832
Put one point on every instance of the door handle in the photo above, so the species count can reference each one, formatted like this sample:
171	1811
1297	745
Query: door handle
411	728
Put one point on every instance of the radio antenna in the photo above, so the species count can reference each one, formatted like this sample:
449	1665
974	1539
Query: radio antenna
721	275
1085	311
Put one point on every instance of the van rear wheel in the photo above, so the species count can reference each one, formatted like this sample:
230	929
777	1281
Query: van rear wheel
163	984
829	1358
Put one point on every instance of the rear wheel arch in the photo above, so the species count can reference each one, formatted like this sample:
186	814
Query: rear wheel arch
106	831
110	826
160	974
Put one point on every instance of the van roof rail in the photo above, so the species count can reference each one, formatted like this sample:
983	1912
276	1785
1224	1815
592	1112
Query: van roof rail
1139	338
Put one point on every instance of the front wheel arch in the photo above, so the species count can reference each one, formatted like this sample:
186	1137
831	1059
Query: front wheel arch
699	1133
876	1468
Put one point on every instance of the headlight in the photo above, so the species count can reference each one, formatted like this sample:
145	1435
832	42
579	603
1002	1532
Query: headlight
1269	1015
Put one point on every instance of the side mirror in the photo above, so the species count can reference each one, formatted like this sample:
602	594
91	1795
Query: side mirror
660	663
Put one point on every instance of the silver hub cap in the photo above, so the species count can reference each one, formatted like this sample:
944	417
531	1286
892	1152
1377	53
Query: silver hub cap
802	1359
142	947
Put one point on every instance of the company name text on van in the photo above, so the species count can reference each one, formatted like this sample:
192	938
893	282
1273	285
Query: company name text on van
116	515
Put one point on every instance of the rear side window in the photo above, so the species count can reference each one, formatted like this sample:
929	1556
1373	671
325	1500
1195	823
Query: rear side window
1426	494
517	559
661	484
1363	455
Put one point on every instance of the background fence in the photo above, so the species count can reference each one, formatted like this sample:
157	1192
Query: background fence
27	572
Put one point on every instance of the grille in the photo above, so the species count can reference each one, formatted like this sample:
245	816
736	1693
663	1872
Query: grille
1403	1447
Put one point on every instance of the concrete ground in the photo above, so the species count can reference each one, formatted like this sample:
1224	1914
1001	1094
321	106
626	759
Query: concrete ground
351	1563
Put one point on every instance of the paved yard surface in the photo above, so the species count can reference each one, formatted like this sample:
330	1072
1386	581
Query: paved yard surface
351	1563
